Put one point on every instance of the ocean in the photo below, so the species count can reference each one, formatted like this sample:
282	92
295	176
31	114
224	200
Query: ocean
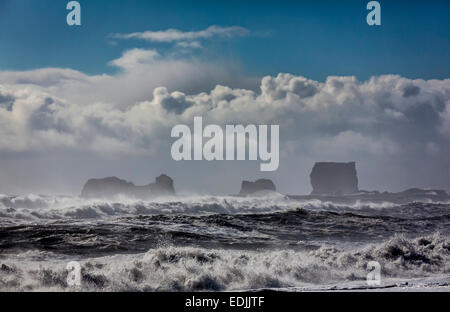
221	243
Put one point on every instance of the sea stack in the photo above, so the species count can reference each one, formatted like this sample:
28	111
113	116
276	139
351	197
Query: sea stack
334	178
113	186
249	187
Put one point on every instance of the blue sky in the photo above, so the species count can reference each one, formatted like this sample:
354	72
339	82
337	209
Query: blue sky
310	38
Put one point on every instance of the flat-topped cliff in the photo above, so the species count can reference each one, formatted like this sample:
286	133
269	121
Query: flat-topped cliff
249	187
333	178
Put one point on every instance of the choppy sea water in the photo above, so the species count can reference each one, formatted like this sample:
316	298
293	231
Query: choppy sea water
211	243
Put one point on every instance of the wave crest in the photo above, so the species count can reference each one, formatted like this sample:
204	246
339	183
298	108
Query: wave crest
170	268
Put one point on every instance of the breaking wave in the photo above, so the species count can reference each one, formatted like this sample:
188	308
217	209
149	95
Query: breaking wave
169	268
34	208
197	243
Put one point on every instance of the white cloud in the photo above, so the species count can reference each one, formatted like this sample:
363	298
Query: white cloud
173	35
140	71
189	44
132	59
384	119
341	112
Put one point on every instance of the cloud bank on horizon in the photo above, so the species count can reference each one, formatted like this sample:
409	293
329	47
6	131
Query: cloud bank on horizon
398	129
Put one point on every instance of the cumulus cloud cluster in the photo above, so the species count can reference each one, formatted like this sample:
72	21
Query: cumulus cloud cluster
386	119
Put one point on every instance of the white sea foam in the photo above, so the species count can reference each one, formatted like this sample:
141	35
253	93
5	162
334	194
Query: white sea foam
37	207
171	268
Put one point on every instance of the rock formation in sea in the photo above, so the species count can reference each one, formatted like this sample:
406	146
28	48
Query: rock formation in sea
249	187
405	197
417	194
333	178
113	186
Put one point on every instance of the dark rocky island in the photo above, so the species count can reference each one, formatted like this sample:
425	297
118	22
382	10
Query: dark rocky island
404	197
249	187
113	186
338	183
332	178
